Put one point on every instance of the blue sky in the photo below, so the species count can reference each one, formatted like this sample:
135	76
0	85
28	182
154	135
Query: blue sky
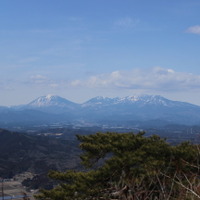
85	48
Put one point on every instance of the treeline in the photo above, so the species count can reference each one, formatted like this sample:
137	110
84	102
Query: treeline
131	167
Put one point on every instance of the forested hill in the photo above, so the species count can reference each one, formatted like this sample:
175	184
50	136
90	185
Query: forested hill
38	154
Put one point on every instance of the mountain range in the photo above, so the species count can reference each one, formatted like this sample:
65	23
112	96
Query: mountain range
131	110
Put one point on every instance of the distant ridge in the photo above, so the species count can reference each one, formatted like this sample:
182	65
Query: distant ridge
145	99
103	110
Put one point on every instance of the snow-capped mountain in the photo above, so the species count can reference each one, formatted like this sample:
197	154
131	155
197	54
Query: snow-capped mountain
131	109
142	100
141	108
99	101
51	100
51	104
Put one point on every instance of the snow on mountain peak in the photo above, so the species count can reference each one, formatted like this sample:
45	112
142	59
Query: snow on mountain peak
147	99
50	96
49	100
142	99
53	100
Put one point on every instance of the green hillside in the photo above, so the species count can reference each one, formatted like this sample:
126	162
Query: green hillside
38	154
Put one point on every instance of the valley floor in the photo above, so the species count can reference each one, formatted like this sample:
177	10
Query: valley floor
13	189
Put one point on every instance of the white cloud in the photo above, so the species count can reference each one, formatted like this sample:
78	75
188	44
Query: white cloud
154	79
40	80
194	29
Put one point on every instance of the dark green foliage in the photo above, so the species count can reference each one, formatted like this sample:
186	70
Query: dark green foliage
37	154
129	166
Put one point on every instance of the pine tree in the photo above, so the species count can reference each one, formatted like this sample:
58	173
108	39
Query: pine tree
129	166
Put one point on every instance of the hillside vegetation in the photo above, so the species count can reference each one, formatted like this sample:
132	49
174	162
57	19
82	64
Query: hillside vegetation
37	154
131	167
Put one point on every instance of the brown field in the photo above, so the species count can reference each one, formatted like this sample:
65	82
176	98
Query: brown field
13	189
